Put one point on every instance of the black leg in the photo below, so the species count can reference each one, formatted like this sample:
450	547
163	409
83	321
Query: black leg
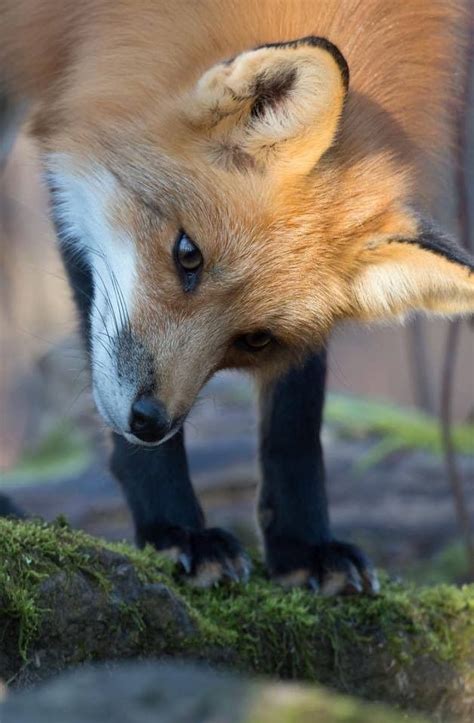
293	508
157	487
167	513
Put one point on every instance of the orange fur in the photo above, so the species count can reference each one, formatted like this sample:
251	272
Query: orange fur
293	213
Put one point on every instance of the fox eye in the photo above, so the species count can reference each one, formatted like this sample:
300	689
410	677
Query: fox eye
255	340
188	259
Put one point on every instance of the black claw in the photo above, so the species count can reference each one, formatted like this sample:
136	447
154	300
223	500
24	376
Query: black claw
198	547
353	584
335	568
371	582
185	561
313	584
246	568
231	573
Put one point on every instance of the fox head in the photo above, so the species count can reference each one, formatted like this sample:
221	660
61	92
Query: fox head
233	223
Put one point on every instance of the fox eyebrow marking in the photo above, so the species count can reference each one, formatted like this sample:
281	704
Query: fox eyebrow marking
140	197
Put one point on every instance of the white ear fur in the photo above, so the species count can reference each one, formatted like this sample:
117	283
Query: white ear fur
428	273
276	103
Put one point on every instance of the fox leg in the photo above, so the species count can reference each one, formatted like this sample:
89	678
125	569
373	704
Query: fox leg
167	513
158	490
293	507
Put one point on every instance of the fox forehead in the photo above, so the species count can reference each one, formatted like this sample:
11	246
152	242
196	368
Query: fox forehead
257	267
241	221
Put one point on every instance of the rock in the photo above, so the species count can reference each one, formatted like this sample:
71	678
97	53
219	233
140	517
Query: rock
86	614
67	599
151	692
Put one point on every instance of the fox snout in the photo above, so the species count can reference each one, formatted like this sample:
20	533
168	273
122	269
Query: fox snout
141	417
128	392
146	379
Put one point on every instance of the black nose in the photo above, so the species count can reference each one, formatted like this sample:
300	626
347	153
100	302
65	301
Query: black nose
148	420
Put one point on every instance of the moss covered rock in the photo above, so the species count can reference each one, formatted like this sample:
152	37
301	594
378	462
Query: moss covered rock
66	598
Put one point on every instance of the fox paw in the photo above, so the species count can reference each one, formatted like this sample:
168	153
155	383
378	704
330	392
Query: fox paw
206	557
331	568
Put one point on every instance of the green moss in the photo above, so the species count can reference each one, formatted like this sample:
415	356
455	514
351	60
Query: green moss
267	622
396	428
29	554
33	551
289	633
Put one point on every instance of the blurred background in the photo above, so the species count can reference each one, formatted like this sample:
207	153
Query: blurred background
387	482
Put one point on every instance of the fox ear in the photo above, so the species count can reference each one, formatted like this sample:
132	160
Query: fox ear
277	104
426	273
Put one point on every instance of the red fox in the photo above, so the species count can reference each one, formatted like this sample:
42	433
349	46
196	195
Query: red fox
229	179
